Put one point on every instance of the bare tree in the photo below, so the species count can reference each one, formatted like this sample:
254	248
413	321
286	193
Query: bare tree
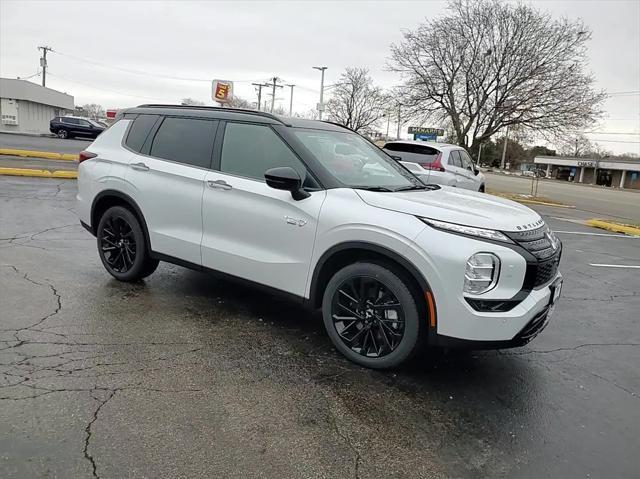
576	146
93	111
356	103
490	65
239	102
191	102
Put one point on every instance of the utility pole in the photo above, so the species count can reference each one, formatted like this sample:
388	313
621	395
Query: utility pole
291	100
399	105
321	104
479	154
43	63
259	85
273	97
504	148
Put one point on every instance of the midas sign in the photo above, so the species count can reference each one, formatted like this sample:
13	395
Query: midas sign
222	91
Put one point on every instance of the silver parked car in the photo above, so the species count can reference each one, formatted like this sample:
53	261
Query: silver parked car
438	163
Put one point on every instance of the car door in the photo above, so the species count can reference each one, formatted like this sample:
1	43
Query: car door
454	168
83	128
470	179
251	230
167	181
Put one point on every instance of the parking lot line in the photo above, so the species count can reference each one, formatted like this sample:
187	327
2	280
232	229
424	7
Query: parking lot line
628	266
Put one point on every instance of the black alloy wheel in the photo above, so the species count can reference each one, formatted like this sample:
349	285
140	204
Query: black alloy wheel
122	247
371	314
118	244
367	316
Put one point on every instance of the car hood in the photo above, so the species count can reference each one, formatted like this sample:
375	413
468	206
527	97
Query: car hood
459	206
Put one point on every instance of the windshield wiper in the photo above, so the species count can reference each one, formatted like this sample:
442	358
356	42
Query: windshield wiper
374	188
412	187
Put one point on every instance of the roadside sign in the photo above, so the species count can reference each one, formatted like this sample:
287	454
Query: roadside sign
222	91
111	113
421	130
423	137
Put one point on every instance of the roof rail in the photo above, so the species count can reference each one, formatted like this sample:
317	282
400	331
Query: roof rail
214	108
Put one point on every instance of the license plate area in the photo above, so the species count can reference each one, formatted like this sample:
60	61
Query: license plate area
556	290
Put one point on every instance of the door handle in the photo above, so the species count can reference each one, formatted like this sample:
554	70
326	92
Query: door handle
219	184
139	166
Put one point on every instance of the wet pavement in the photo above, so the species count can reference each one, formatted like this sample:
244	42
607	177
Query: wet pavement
188	375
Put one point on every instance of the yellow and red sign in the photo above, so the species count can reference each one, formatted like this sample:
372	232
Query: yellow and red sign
222	91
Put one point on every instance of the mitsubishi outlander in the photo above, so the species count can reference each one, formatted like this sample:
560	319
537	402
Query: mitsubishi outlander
315	211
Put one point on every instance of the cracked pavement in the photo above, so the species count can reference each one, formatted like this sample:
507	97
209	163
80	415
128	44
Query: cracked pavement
188	375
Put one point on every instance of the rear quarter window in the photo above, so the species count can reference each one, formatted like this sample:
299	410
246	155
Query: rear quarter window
139	131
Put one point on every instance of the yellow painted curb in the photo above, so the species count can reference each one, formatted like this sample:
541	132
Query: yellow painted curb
615	227
48	155
39	173
534	202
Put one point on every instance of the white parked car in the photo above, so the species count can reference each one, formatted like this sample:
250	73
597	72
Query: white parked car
316	212
438	163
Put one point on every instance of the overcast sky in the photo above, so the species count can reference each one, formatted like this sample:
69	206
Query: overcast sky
252	41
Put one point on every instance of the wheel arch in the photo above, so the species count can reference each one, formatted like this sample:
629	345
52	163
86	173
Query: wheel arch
350	252
108	198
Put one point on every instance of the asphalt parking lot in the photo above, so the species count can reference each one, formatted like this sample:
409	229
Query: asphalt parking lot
187	375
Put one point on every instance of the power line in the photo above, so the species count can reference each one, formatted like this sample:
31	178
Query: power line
618	141
103	89
140	72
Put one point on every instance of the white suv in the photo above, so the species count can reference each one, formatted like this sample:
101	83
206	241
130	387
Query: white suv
438	163
317	212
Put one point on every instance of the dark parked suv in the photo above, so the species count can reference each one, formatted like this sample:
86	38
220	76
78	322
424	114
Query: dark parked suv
70	126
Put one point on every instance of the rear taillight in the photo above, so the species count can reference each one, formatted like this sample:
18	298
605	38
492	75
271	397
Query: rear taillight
435	165
85	155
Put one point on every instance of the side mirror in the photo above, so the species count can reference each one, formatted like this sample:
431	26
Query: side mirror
476	170
288	179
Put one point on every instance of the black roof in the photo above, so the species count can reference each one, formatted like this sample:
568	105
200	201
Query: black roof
230	114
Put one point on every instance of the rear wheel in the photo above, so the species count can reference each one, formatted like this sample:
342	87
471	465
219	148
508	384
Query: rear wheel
371	316
122	247
63	134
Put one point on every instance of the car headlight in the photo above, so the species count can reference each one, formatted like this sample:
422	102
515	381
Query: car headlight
468	230
481	273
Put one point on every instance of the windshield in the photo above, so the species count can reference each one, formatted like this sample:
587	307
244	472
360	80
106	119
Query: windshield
95	123
355	162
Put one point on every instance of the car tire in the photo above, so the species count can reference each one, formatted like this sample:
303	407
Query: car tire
62	134
482	188
351	338
122	247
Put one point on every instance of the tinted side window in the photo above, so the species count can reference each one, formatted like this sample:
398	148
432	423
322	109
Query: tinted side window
71	121
84	123
467	162
454	158
250	150
412	152
185	140
139	131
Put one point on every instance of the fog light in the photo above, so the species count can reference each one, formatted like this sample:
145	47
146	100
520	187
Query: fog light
481	273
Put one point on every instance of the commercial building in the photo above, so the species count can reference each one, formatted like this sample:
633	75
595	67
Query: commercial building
605	172
26	107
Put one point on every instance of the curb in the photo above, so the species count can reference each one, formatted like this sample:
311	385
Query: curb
544	203
67	174
47	155
615	227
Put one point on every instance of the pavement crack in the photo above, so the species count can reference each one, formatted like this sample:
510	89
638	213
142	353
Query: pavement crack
334	423
88	432
574	348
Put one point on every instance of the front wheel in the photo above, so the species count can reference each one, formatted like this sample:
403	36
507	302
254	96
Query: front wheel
122	247
371	316
63	134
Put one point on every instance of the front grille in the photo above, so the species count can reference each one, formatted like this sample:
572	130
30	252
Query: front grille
538	243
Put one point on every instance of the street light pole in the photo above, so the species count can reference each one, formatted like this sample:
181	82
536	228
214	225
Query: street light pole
504	148
291	100
399	105
321	104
